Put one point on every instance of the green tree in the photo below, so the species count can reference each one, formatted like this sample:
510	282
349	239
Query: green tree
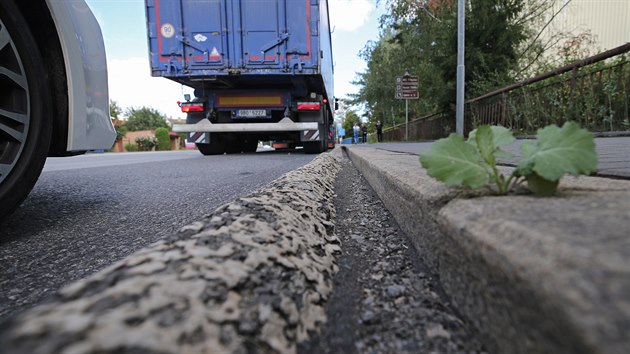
114	109
114	112
121	130
145	118
146	143
163	139
349	119
420	37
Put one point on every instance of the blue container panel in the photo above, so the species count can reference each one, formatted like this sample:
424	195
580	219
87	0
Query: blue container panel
205	39
326	68
190	37
190	40
264	25
164	47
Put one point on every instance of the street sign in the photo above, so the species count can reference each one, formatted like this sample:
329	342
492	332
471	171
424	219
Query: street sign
407	79
407	87
407	95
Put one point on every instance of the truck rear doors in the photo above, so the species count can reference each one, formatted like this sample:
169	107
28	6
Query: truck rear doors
189	37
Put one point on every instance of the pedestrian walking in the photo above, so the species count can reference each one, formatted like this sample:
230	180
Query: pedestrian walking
364	133
355	130
379	131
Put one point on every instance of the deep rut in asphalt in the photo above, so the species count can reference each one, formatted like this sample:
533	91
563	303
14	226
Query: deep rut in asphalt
385	300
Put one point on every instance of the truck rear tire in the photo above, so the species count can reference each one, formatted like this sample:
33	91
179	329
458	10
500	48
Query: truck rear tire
25	106
250	144
209	149
233	143
316	147
215	147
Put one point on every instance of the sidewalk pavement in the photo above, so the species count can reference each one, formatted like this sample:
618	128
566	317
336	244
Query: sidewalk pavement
613	153
533	275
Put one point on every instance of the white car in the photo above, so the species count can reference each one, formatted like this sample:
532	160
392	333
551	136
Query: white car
53	90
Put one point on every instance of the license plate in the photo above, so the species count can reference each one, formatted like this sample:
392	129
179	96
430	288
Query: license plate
252	113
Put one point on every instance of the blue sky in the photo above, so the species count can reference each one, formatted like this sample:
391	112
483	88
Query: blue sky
130	84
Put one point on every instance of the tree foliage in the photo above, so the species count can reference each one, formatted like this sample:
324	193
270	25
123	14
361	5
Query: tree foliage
350	117
121	131
163	139
420	37
114	112
145	118
114	109
146	143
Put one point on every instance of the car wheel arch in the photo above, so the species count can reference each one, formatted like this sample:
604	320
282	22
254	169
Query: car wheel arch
40	21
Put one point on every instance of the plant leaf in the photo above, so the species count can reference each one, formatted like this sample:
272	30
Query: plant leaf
500	136
525	165
455	162
485	144
559	151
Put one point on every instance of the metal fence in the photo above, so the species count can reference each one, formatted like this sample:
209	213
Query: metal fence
595	92
430	127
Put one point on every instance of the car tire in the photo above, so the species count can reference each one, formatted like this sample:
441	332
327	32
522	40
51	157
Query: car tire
25	109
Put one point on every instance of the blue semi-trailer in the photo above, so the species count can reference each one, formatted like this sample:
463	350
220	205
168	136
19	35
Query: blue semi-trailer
260	69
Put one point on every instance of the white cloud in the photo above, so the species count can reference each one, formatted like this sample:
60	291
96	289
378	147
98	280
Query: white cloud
131	85
349	15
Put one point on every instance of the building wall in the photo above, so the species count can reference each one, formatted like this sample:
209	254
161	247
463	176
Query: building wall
130	138
607	20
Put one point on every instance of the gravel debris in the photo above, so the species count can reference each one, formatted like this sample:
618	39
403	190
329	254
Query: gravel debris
384	300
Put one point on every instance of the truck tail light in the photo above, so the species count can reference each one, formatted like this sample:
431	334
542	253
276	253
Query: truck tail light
191	106
308	106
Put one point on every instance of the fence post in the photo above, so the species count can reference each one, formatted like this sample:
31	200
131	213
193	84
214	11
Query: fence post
504	110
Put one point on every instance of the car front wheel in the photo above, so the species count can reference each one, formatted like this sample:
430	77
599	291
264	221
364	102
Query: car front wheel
25	120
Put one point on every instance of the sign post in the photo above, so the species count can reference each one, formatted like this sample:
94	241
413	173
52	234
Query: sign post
407	89
407	120
461	27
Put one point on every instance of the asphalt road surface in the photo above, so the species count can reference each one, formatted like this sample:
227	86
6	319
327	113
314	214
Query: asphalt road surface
89	211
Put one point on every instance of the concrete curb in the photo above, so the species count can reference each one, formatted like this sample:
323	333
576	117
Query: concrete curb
533	275
253	276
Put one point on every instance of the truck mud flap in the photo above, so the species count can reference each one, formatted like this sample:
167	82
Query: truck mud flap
310	135
199	138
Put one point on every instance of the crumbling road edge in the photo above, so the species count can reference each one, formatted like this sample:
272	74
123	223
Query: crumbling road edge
253	275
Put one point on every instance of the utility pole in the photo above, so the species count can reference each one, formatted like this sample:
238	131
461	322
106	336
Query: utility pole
459	110
406	120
